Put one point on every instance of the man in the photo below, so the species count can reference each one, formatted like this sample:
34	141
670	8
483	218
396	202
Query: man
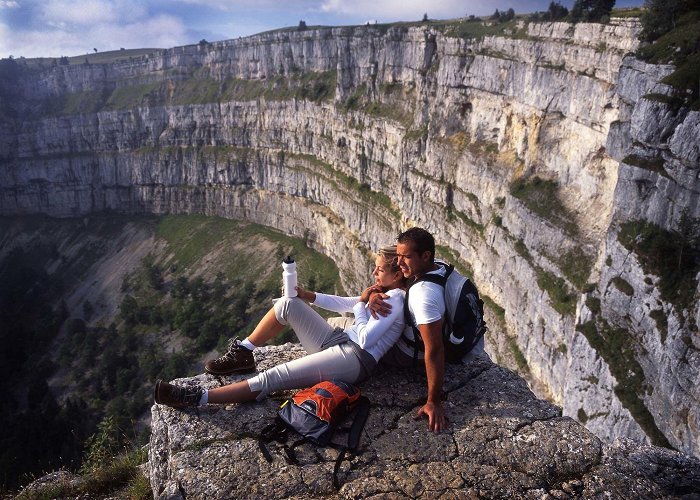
426	304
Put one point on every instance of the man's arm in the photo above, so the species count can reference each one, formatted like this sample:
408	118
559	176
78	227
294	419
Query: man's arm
435	371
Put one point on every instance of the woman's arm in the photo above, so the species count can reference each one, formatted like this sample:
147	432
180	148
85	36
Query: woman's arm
335	303
370	330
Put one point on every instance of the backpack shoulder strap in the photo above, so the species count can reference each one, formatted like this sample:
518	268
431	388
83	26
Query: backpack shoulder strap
291	455
276	431
438	279
358	424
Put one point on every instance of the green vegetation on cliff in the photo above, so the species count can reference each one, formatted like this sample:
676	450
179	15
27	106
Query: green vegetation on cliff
117	476
653	164
576	265
72	370
541	196
197	89
463	267
342	180
614	346
673	30
673	256
562	298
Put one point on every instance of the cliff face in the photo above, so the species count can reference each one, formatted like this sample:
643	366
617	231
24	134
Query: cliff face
527	154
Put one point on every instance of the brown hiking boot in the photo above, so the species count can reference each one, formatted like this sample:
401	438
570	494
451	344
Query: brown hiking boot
176	397
237	359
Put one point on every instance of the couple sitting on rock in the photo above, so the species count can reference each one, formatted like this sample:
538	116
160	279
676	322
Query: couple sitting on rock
348	354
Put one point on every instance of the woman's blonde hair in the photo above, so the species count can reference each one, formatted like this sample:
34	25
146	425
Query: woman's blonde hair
388	253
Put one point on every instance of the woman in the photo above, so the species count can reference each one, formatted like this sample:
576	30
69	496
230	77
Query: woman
349	355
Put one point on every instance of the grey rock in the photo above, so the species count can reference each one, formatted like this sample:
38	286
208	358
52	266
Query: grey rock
501	442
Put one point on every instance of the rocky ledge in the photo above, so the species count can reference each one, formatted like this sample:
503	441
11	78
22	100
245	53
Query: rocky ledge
502	442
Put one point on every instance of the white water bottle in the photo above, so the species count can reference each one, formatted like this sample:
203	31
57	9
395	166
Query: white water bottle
289	277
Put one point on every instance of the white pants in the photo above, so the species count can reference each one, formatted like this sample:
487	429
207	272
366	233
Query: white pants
331	354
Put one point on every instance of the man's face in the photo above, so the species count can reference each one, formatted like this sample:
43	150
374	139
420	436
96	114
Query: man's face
411	263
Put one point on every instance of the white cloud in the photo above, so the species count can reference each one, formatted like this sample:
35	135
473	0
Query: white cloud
158	32
162	31
241	5
8	4
401	9
4	36
66	13
225	5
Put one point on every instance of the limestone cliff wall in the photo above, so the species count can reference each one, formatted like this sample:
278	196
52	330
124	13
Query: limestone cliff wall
513	150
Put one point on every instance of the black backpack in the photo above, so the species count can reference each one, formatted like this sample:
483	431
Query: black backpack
316	414
463	325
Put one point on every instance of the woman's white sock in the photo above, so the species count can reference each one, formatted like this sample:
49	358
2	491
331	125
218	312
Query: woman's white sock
248	344
205	398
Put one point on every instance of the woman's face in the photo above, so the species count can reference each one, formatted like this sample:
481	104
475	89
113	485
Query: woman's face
385	277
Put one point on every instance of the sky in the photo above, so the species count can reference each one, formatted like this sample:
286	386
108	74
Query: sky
53	28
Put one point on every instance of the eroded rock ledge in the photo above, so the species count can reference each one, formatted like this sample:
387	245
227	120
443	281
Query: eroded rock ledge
502	442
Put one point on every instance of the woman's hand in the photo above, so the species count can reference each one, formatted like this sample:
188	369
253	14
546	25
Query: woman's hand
367	292
305	295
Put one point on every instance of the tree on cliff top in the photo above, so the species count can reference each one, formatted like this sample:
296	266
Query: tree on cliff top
503	17
591	10
556	11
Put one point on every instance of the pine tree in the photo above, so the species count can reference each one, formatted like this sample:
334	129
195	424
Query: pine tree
577	11
591	10
556	11
601	9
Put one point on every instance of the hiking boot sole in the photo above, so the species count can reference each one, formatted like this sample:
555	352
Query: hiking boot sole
156	390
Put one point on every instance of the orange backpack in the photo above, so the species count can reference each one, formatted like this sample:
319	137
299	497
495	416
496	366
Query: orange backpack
316	413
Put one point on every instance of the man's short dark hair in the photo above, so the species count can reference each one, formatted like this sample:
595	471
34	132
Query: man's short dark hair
421	239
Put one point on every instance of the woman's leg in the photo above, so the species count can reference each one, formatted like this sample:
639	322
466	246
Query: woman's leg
238	392
314	332
266	329
337	362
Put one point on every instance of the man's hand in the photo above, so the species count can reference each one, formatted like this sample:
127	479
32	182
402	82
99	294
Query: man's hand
436	416
435	373
378	305
368	292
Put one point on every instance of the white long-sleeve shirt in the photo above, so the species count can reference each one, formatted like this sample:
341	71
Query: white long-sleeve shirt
376	336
